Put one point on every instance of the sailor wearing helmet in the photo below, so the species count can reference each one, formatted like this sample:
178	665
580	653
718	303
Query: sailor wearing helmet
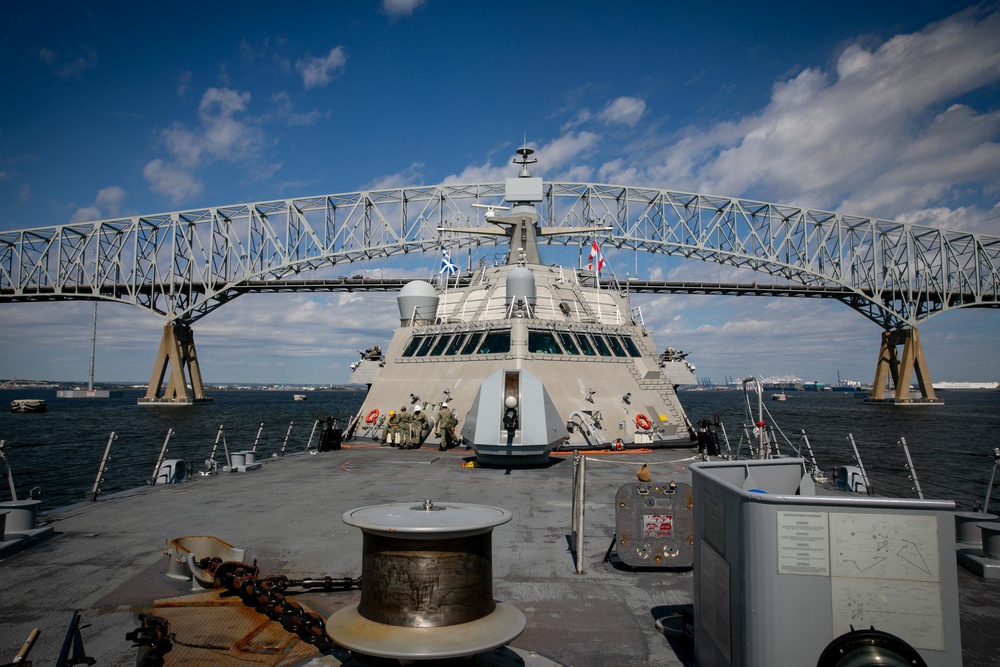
444	427
420	426
390	429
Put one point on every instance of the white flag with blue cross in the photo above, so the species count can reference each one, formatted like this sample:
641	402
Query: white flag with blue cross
447	266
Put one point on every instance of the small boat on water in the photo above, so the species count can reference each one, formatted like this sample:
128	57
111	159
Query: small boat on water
299	397
26	405
780	396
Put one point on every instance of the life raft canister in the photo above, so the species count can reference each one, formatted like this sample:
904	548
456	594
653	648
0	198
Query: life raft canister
372	416
642	421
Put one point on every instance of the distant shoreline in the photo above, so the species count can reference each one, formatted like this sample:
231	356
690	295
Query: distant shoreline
233	386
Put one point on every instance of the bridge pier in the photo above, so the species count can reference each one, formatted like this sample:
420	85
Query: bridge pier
901	370
178	354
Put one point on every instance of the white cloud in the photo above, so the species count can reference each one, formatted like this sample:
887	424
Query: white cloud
412	175
566	149
399	8
882	135
86	214
170	180
320	70
107	205
624	111
223	134
110	199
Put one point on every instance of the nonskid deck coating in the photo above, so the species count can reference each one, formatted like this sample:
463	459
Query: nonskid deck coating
107	558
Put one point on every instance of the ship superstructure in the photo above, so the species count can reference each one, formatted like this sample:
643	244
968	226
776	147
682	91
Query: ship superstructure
529	356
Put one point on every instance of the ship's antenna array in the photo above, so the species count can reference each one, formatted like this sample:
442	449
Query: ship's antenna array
525	159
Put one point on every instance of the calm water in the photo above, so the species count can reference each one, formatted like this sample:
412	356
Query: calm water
60	450
951	445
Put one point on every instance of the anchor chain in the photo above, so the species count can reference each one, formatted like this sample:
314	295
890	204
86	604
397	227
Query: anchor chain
266	595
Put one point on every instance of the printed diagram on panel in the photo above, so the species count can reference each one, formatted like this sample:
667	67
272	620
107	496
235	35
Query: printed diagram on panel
881	546
886	574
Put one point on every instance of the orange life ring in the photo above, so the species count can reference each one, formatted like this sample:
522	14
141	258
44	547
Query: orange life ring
642	421
372	416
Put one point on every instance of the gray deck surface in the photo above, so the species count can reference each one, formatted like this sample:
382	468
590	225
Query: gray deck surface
106	559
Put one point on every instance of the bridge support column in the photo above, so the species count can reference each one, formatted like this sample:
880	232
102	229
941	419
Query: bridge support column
178	354
901	370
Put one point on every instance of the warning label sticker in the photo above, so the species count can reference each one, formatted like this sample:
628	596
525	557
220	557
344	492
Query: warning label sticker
657	525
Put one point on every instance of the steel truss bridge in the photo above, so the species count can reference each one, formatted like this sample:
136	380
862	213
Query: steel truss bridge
184	264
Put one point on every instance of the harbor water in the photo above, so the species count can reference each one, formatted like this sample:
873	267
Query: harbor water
59	451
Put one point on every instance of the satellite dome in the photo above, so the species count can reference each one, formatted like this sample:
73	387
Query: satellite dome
521	285
418	302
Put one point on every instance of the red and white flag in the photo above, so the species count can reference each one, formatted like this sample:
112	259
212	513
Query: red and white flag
595	252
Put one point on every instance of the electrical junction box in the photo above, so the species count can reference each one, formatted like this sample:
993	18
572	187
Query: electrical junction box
781	571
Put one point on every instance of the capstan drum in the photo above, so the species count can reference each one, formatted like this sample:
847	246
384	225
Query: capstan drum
426	583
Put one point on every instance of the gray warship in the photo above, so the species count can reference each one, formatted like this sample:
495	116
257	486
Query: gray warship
530	357
617	543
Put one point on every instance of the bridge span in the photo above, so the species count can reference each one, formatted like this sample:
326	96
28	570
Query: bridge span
183	265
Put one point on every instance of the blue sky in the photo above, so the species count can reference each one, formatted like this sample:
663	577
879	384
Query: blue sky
885	109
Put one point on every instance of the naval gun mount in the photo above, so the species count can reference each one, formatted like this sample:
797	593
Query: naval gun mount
512	420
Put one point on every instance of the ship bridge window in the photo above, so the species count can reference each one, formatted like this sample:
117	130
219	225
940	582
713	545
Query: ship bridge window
456	345
585	345
633	349
616	346
495	342
411	347
568	343
441	344
425	346
473	343
601	345
542	342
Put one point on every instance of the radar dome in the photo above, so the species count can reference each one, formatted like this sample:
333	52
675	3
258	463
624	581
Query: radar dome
418	302
521	286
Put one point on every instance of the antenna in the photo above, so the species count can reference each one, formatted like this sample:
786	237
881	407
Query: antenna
524	153
491	208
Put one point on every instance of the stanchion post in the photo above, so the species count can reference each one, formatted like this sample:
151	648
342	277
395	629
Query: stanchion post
579	502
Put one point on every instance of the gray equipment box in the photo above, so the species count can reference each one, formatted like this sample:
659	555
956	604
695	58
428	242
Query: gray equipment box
781	571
